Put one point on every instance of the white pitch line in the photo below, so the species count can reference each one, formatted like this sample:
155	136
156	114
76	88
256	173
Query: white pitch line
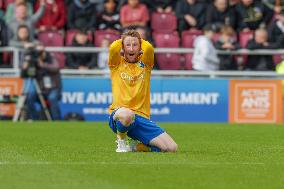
132	163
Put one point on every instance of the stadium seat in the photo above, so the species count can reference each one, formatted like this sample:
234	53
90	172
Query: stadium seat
163	22
53	39
50	38
188	61
105	34
278	58
166	39
167	61
188	37
2	6
7	2
244	37
70	35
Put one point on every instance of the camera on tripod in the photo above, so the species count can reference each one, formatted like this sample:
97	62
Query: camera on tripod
31	58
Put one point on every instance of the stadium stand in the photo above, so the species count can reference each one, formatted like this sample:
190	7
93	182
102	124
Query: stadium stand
168	61
111	35
55	39
163	22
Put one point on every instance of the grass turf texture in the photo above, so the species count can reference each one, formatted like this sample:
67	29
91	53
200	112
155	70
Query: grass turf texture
82	155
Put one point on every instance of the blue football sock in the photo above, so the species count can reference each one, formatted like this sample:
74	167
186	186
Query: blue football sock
155	149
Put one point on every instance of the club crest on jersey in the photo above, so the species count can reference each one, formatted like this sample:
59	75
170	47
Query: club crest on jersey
141	64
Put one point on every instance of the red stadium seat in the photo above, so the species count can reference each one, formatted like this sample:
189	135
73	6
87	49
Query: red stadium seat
188	37
244	37
100	35
50	38
163	22
166	39
70	35
53	39
278	58
188	61
2	5
167	61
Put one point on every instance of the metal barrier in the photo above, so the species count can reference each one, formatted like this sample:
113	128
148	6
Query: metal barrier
185	73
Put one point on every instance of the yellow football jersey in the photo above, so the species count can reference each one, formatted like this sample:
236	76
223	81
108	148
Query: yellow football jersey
131	81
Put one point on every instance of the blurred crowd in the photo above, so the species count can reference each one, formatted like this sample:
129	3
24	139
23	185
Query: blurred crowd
200	24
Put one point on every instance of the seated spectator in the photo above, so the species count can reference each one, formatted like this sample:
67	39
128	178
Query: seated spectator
54	15
99	5
162	6
190	14
103	56
276	5
219	13
134	14
227	42
81	15
23	19
260	62
252	14
276	29
109	19
82	61
23	39
11	10
205	55
3	40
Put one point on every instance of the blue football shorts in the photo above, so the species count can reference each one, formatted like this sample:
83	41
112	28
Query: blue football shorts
144	130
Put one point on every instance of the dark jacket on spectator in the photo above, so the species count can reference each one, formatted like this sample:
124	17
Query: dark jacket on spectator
196	10
228	17
253	16
113	24
227	62
3	39
154	4
260	62
81	16
275	33
75	60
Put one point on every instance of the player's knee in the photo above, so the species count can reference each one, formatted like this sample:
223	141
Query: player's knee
126	117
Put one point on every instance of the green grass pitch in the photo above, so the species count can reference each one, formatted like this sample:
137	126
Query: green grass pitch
67	155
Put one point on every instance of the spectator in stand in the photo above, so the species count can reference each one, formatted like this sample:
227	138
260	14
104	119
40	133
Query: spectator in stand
23	40
81	15
162	6
103	56
134	14
276	5
252	14
81	61
190	14
54	16
227	42
276	29
23	19
99	4
219	13
11	10
260	62
205	55
109	19
3	39
144	34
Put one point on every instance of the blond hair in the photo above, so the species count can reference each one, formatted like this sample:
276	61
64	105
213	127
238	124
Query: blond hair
131	33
